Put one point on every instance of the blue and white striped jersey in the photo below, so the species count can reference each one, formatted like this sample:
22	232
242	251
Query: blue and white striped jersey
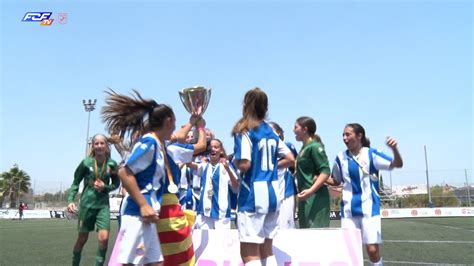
188	199
259	187
186	180
233	194
147	163
360	195
287	180
214	201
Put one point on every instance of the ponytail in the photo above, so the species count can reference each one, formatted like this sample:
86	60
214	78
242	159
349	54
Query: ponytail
317	138
254	111
133	115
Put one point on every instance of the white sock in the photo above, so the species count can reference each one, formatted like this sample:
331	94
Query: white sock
378	263
269	261
253	263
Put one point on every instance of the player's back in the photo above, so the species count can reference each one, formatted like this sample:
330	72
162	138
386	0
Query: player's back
260	183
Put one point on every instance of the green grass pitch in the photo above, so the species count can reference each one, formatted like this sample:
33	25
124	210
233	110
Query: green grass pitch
421	241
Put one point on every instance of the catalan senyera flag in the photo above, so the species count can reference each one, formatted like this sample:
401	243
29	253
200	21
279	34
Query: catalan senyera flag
174	232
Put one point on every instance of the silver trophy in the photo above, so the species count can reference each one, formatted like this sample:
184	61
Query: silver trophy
195	99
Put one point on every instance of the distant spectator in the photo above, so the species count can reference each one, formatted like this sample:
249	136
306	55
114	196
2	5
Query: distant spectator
21	208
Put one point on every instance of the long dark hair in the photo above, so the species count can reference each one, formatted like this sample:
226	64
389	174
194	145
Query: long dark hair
124	114
358	129
254	110
310	125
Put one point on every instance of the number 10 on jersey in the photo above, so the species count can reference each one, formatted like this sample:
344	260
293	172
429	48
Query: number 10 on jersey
267	148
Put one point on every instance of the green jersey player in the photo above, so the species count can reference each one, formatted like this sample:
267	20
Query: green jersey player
99	174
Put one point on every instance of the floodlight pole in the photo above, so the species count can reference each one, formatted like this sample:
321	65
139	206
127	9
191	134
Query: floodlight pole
391	186
468	188
430	203
89	106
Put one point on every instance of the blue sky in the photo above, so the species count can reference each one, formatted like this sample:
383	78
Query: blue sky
399	68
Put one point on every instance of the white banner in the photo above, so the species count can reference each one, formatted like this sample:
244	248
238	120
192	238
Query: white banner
427	212
27	214
291	247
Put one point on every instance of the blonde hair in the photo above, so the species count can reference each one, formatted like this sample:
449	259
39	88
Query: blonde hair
94	139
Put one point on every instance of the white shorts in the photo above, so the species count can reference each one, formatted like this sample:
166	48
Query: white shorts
370	227
204	222
140	244
256	227
287	213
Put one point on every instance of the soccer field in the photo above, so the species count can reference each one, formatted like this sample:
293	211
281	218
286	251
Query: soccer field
421	241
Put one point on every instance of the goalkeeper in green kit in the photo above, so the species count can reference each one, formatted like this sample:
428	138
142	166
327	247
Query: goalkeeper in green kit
99	173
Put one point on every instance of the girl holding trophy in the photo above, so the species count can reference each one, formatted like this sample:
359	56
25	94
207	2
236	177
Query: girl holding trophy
149	174
256	152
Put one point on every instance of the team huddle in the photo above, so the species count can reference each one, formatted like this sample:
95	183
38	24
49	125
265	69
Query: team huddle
170	175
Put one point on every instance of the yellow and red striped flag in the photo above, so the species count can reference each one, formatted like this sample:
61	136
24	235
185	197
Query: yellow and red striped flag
174	232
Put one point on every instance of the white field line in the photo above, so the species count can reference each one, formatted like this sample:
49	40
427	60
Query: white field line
416	263
429	241
447	226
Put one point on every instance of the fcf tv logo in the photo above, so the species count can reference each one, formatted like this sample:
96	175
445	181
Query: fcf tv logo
42	17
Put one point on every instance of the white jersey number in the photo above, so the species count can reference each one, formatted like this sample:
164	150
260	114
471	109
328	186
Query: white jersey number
267	149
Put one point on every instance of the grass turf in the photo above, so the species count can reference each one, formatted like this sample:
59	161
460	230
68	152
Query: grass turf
406	241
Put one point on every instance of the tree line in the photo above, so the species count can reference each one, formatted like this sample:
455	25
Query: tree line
15	184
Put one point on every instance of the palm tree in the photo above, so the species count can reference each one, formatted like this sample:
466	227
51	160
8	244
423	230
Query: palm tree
13	183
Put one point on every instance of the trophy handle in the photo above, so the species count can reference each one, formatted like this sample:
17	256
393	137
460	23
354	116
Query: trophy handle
182	96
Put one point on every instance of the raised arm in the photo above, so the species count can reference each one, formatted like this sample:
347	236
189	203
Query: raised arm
182	133
397	158
232	175
200	146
